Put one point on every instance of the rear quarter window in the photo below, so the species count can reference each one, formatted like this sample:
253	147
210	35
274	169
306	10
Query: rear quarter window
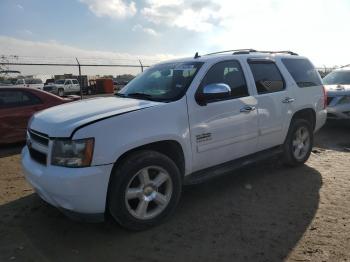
303	72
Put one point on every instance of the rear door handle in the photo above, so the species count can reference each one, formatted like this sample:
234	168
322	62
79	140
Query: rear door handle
288	100
247	109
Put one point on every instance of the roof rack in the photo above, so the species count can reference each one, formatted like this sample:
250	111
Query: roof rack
247	51
279	52
232	51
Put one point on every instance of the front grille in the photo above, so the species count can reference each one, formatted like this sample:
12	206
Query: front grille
39	137
37	156
329	100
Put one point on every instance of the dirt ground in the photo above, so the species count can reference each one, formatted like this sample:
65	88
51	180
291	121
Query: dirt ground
265	212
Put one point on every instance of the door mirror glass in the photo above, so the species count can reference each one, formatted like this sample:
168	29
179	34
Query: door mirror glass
213	92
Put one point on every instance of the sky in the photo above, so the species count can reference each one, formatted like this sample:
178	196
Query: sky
154	30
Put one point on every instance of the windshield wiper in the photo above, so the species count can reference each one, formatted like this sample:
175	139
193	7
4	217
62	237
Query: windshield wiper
120	95
139	95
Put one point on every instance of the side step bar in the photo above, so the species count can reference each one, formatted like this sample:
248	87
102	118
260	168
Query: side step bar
222	169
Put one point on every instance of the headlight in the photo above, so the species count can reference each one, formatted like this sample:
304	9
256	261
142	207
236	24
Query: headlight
344	100
72	153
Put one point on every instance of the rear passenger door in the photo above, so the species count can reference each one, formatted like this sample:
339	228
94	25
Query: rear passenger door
273	102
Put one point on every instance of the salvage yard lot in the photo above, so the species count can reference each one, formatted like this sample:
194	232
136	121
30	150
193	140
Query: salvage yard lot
265	212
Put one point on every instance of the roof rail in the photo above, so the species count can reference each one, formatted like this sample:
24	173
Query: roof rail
247	51
232	51
279	52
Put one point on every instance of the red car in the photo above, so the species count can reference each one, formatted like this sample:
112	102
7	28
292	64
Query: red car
17	105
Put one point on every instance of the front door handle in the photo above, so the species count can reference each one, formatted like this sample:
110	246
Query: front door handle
247	109
288	100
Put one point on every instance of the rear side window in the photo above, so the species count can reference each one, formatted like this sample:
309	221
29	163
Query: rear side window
75	82
17	98
303	72
267	77
230	73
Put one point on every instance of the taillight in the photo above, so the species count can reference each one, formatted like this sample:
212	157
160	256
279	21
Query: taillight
324	98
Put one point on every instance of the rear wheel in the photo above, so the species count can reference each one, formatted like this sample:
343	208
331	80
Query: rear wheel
144	190
299	142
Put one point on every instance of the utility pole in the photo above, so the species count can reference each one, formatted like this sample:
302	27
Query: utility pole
81	88
141	65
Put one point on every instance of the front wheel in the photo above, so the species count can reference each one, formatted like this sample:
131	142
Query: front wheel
144	190
298	144
60	92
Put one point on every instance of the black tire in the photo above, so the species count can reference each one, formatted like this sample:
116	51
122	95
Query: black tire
289	158
60	92
125	172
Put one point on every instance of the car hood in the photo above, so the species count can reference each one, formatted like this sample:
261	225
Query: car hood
62	120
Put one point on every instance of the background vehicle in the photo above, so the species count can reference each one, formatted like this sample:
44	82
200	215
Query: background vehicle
180	122
63	87
30	82
337	84
17	105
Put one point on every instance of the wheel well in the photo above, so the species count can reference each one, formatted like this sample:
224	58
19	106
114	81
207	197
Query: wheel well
307	114
170	148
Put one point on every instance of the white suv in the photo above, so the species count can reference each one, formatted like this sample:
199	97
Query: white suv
179	122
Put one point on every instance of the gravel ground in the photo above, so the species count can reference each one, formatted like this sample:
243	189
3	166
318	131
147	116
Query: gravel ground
265	212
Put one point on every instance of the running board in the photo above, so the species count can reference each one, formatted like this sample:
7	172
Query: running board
222	169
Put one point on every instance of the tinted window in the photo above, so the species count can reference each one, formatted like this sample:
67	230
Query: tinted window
303	72
337	78
267	77
17	98
230	73
75	82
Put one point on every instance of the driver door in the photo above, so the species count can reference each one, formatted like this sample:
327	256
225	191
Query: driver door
226	129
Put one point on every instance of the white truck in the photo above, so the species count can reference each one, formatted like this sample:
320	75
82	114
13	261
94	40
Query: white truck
63	87
179	122
30	82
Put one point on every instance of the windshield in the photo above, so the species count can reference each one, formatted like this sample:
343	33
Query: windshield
165	82
337	78
59	82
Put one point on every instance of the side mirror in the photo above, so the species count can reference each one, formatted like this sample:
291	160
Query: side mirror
213	92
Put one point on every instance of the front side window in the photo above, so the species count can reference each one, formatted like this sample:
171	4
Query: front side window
337	78
230	73
267	77
164	82
303	72
17	98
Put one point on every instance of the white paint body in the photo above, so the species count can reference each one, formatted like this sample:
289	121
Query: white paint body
138	122
29	83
